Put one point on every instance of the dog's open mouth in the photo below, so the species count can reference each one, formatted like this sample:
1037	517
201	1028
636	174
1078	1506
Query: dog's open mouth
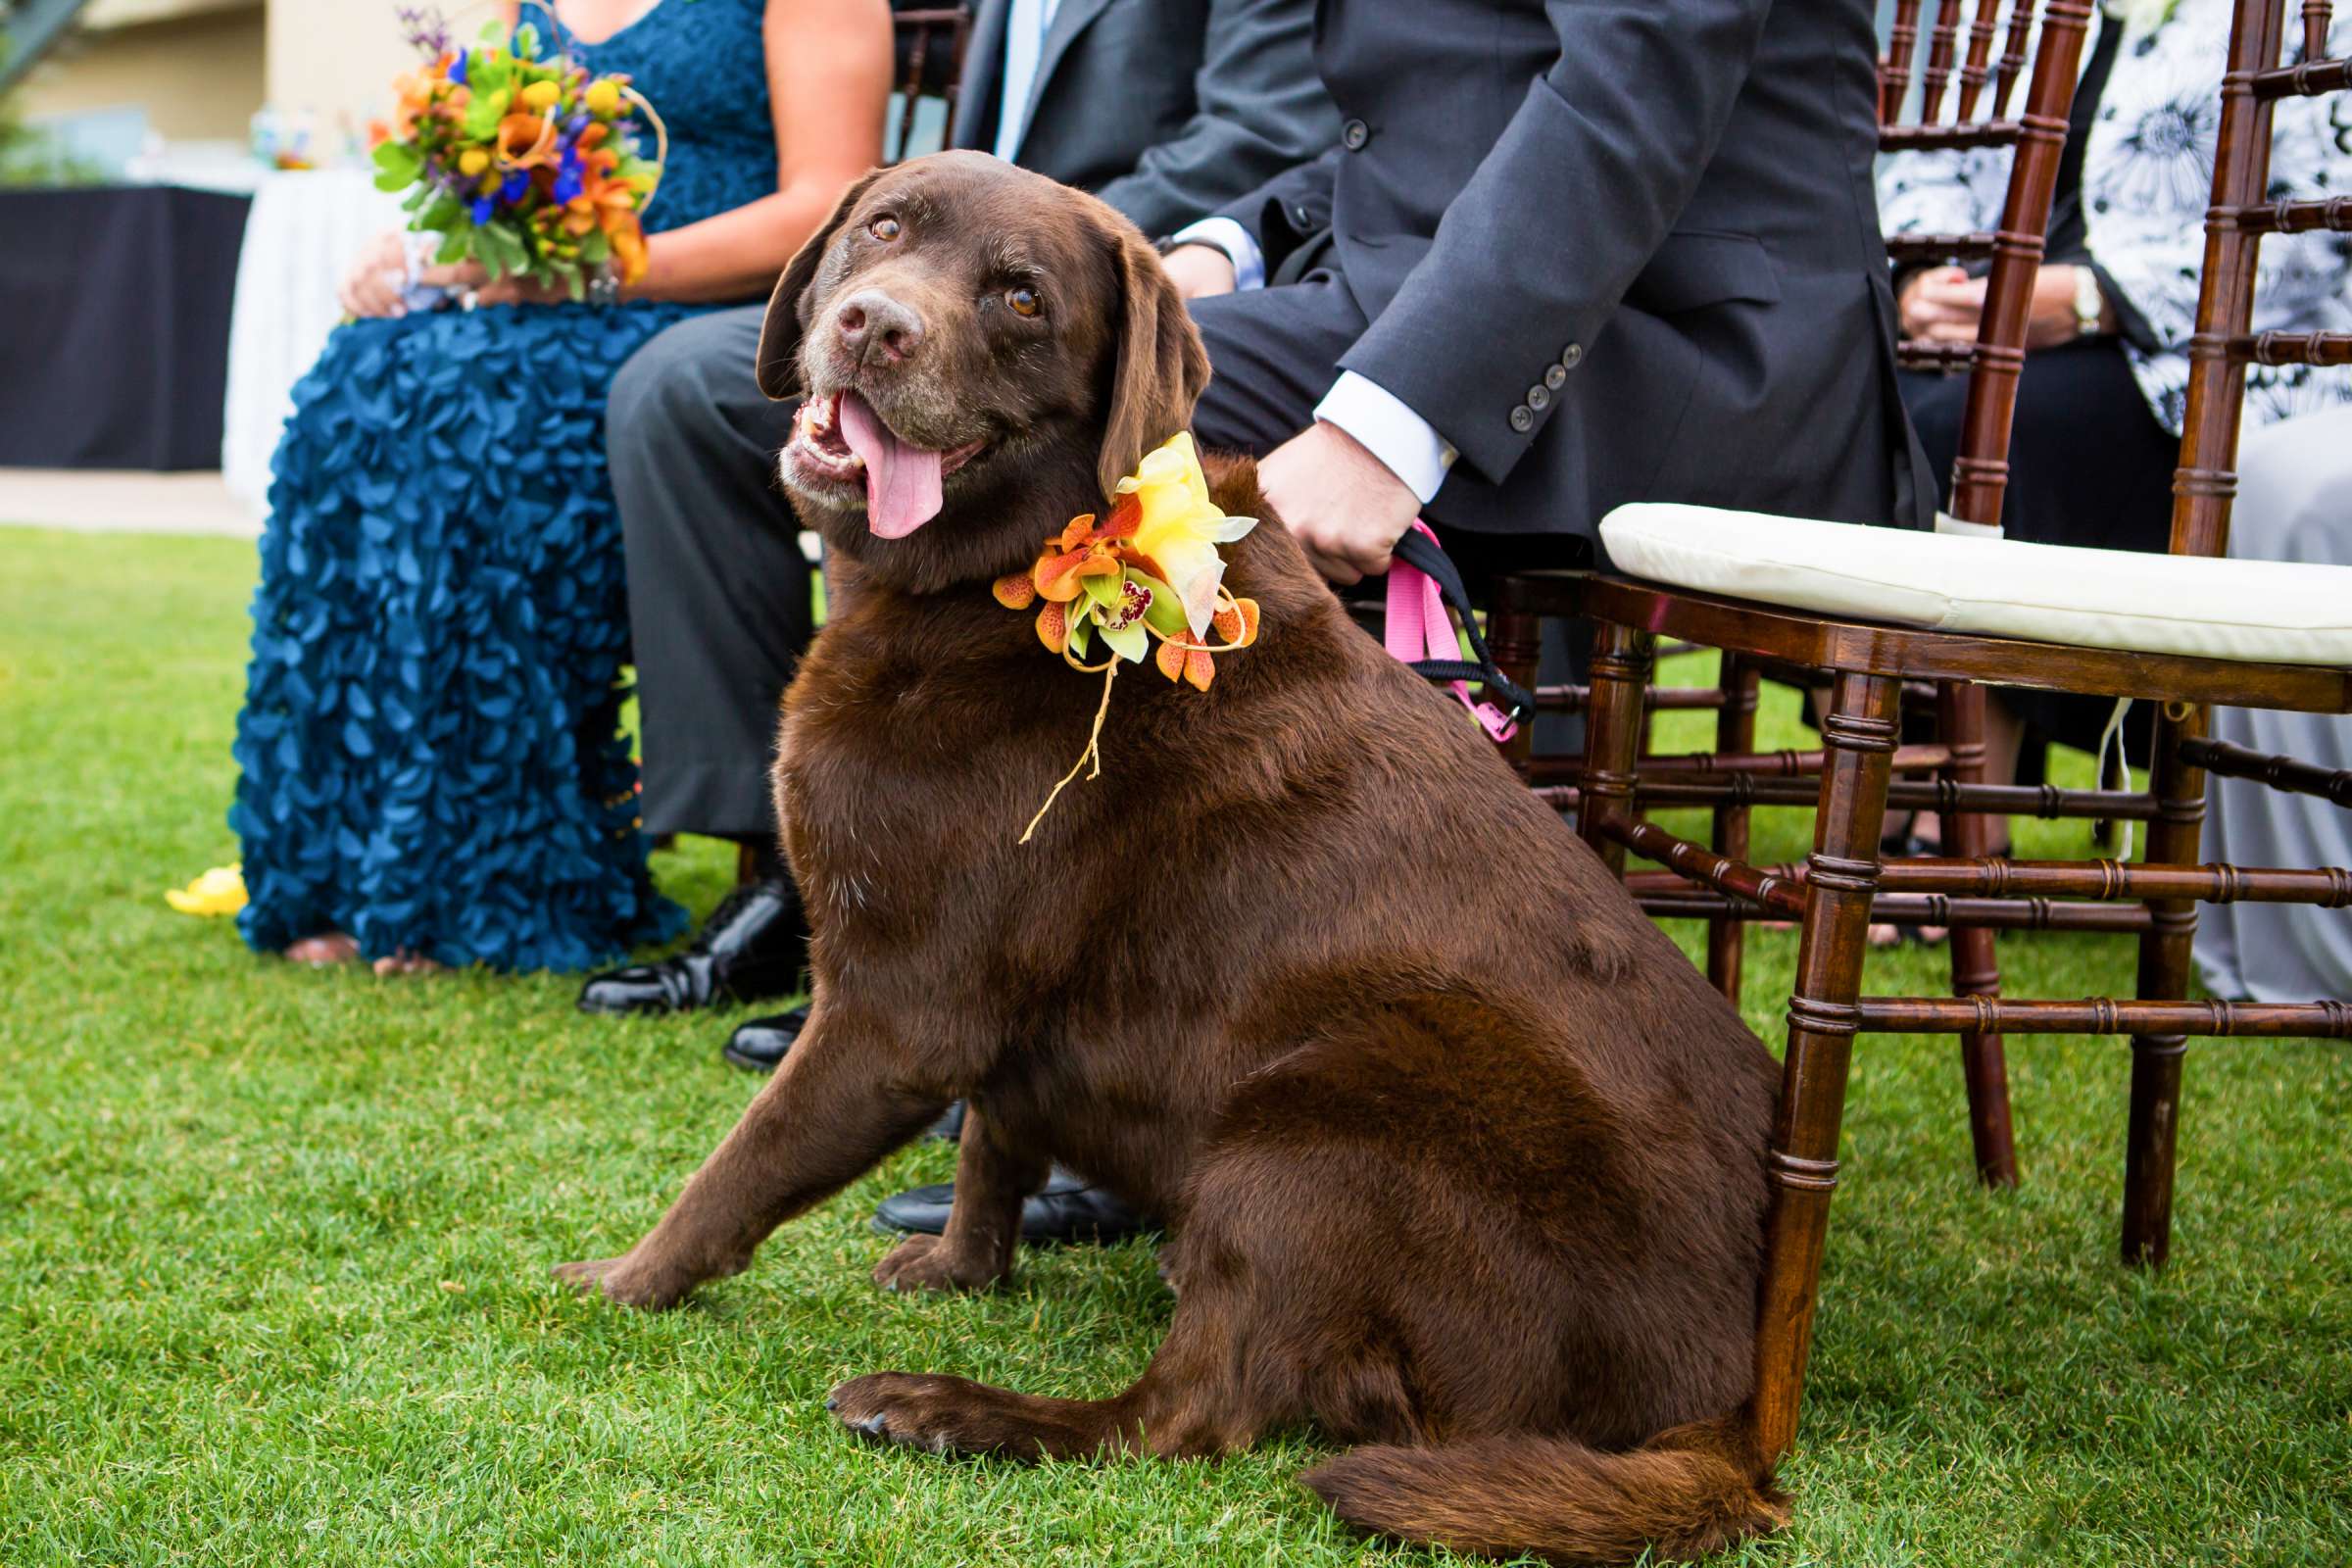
839	439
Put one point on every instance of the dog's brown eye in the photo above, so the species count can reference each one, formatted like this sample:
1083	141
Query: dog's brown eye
1024	301
884	229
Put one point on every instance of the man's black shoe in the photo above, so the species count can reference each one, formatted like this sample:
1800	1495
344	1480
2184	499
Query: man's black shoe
1067	1209
754	945
760	1046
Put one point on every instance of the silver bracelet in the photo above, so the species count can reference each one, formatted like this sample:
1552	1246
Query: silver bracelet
604	288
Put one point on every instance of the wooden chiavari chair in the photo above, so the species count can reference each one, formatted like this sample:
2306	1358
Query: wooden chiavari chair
1964	93
2117	646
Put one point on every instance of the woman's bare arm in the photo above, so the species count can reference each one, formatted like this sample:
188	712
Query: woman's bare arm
828	75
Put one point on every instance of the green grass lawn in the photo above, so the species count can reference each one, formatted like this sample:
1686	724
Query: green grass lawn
273	1244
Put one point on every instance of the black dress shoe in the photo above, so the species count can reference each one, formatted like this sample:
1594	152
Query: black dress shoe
754	945
760	1045
1067	1209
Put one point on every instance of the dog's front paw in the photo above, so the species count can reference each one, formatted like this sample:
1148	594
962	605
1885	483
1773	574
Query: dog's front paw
626	1281
929	1263
902	1407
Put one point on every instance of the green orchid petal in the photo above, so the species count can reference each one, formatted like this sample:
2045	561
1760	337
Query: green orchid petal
1104	589
1082	634
1130	642
1164	614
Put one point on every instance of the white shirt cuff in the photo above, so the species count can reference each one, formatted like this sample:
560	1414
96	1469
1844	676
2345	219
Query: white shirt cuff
1249	262
1390	431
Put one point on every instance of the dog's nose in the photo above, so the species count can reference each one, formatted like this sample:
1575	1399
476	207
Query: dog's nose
877	329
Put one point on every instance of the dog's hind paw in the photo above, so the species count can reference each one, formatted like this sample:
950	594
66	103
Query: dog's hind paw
929	1263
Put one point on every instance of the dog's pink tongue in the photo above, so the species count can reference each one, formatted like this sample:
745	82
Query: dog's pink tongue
901	482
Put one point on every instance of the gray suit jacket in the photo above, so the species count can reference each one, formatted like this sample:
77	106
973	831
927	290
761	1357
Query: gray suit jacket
1165	108
1615	250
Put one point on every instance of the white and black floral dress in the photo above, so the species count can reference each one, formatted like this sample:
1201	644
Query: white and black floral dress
2098	420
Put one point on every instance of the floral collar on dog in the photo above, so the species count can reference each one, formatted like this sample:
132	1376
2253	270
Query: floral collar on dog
1150	569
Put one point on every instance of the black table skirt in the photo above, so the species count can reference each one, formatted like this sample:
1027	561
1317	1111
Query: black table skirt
113	325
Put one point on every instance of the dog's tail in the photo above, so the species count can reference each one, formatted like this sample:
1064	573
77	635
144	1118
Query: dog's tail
1685	1493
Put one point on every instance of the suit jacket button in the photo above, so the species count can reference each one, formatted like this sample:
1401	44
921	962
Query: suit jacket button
1553	375
1572	355
1538	398
1522	420
1354	135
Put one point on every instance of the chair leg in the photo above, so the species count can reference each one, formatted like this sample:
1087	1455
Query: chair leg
1976	968
1620	686
1516	640
2164	968
1735	731
1843	876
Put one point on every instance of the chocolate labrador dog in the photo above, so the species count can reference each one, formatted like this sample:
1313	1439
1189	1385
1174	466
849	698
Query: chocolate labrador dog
1462	1159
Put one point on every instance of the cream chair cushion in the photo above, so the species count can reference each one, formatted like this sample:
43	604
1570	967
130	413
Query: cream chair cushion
2267	610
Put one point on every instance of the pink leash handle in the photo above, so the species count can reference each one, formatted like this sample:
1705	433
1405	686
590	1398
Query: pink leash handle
1418	629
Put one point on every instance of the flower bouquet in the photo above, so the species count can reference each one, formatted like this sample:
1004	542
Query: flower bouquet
522	161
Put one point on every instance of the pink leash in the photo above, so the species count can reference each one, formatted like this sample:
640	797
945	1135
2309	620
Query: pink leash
1419	630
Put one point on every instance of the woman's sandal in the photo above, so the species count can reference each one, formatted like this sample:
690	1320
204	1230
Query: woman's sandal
324	949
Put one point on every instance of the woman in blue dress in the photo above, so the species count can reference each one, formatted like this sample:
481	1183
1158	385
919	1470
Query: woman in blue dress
433	773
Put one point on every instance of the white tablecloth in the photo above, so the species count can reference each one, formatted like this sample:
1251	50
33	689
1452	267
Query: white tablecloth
305	228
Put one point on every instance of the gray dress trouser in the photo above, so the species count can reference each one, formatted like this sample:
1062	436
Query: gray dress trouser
719	593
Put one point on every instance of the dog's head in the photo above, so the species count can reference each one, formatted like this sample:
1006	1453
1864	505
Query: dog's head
982	354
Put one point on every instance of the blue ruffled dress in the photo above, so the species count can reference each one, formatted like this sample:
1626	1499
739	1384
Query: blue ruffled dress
430	746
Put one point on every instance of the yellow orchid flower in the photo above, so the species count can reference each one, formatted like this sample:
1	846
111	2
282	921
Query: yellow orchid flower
1182	527
220	891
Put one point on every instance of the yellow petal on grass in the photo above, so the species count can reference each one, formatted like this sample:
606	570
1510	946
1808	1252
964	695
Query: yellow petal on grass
1016	591
220	891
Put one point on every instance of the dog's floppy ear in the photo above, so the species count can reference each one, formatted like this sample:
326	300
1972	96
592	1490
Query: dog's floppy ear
1162	367
780	333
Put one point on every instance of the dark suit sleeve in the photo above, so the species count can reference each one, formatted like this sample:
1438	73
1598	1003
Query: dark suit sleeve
1288	207
1567	207
1259	108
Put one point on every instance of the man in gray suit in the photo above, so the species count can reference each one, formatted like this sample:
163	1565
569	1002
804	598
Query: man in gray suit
1166	109
1567	253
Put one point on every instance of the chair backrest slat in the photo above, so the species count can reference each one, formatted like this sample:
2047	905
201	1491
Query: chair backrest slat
1894	67
2036	135
1977	69
2223	343
1941	54
2013	56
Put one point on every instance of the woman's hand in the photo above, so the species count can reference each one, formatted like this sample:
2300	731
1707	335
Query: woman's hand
377	277
1946	305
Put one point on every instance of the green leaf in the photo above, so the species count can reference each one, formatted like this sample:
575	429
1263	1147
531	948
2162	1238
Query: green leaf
1082	628
440	217
595	249
397	165
1130	642
455	248
569	274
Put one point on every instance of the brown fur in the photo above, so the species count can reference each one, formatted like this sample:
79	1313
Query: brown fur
1462	1158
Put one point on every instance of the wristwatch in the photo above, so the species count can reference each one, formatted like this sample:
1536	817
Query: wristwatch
2090	308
